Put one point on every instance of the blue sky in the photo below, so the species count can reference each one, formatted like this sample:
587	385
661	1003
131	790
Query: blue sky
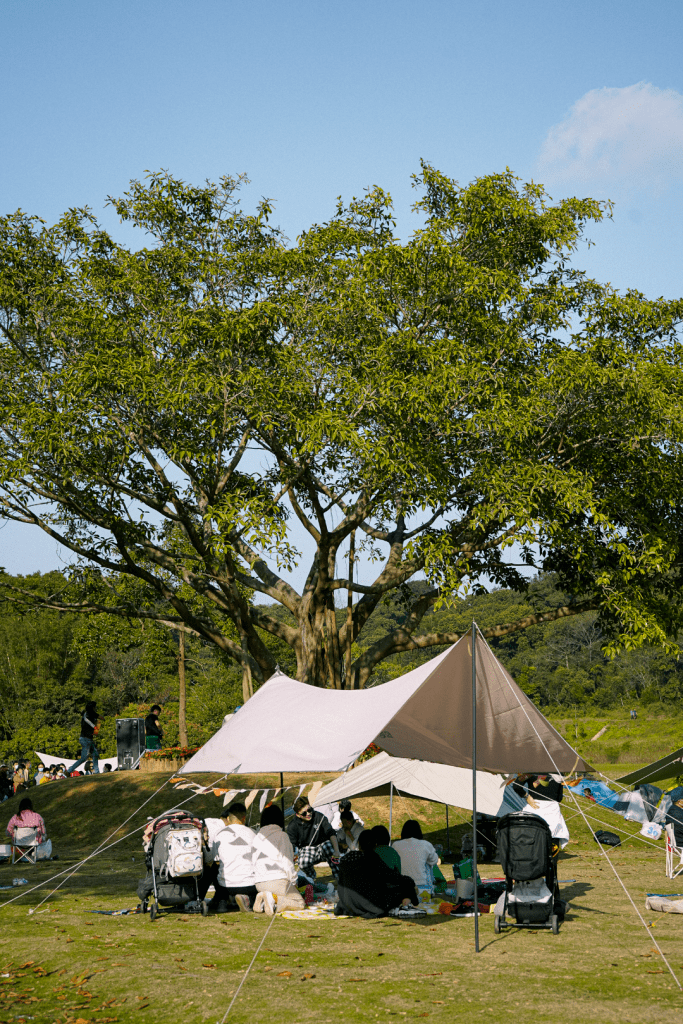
314	100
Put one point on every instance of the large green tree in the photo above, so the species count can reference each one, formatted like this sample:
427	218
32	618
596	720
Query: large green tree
463	406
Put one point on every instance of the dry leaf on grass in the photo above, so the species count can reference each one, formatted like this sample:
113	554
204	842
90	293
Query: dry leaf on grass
285	974
307	977
660	971
208	965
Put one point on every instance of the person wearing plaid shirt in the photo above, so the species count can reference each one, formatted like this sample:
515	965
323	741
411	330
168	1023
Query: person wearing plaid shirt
311	833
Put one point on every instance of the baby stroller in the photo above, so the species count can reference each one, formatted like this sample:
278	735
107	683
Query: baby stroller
173	845
532	897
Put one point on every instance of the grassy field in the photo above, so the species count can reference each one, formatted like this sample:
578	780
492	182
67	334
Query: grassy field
65	964
624	742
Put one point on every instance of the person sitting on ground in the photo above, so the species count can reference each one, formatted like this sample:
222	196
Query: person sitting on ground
311	833
367	887
153	731
384	850
274	869
675	816
347	835
26	817
588	795
233	847
418	856
539	787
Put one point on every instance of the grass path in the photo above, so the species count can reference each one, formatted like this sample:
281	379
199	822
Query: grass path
80	966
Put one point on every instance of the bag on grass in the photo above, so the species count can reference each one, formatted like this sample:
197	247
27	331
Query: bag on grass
607	838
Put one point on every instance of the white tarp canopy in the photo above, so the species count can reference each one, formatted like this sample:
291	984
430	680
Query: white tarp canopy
438	782
288	726
50	762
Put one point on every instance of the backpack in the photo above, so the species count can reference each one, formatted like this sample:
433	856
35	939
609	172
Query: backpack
606	838
182	854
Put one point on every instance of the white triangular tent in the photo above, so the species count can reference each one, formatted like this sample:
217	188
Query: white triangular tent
438	782
288	726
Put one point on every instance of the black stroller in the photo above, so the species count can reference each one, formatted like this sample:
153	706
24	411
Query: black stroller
173	845
532	897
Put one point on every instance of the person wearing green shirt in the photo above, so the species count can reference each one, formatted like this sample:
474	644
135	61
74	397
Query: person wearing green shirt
384	850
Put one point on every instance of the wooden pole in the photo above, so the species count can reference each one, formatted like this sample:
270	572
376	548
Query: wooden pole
474	786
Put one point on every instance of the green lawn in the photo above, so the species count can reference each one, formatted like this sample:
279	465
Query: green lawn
78	966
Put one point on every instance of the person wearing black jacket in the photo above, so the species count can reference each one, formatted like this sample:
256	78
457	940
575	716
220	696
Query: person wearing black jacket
89	726
316	840
367	886
153	731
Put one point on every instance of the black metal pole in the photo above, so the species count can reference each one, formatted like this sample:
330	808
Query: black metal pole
448	833
474	786
282	792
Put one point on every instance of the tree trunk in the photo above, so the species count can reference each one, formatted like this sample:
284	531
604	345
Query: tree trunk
182	692
349	612
247	685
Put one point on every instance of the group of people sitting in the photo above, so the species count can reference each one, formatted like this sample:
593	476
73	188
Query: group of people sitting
263	871
20	776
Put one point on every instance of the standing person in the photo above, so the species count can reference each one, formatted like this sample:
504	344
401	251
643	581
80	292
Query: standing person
274	871
233	847
40	774
6	787
311	833
153	731
20	777
89	729
418	856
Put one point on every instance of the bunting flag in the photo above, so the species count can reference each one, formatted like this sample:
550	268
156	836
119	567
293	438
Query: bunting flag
315	789
228	795
250	799
263	800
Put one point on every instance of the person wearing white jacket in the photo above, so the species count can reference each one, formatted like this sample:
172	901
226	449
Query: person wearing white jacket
274	873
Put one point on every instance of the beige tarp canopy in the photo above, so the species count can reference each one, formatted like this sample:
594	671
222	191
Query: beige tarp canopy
669	767
288	726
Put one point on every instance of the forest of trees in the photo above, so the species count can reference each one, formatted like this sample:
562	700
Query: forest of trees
51	662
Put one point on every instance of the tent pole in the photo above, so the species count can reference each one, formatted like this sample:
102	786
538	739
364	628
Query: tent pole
282	792
474	786
448	833
391	807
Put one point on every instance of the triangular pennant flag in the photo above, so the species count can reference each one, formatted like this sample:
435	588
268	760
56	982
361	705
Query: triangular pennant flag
263	800
301	789
230	795
315	789
250	799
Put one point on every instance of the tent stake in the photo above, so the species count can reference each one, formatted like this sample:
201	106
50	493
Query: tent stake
391	808
474	786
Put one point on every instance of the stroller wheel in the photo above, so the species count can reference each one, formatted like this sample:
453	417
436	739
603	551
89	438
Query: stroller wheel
496	924
152	911
205	908
144	907
555	924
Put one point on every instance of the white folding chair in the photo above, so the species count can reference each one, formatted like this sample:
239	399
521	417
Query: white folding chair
674	854
25	844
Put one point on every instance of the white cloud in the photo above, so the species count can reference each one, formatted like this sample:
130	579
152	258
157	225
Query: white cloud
631	136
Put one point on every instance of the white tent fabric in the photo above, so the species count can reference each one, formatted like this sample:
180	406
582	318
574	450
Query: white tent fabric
439	782
288	726
49	761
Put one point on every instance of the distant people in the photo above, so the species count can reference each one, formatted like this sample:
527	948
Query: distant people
40	774
274	873
347	834
538	787
634	714
384	850
588	795
233	847
26	817
20	777
6	787
313	836
89	729
153	731
418	856
367	887
107	768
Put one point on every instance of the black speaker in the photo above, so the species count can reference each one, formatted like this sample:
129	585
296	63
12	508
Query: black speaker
130	741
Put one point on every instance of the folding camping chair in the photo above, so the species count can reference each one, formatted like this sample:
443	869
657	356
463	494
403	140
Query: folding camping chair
673	869
25	844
